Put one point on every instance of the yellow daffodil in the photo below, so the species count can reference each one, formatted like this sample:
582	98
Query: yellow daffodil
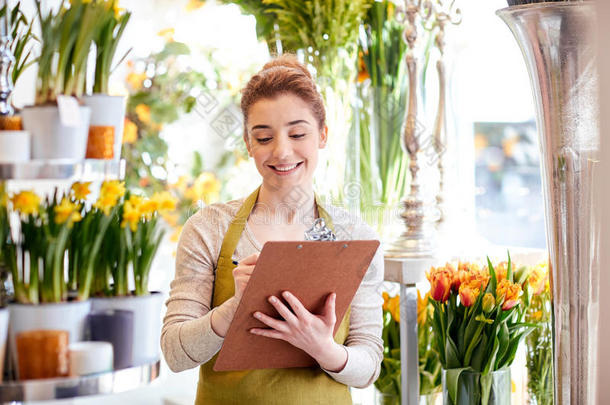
81	190
167	34
194	5
394	307
181	184
110	193
136	80
130	132
143	113
26	202
149	207
67	211
175	236
386	300
206	188
131	215
165	201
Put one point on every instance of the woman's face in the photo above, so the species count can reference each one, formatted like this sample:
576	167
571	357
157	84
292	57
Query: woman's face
284	138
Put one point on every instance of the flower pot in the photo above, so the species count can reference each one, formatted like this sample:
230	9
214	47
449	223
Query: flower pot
146	322
3	338
14	146
51	139
116	327
471	388
108	111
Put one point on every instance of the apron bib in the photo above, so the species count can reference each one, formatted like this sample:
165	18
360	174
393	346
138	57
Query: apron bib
294	386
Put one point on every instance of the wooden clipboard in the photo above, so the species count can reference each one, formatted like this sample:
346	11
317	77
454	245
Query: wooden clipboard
310	270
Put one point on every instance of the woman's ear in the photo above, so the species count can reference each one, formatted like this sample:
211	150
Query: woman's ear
323	137
247	141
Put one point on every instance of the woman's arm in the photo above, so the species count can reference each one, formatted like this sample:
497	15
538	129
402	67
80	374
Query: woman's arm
364	345
187	337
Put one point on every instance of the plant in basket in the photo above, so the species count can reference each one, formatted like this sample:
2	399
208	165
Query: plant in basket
478	326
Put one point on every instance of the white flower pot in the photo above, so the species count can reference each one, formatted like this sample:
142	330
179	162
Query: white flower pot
70	316
51	139
14	146
108	111
146	322
3	337
90	358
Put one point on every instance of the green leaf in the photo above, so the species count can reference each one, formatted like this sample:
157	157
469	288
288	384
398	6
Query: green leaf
486	381
453	358
452	377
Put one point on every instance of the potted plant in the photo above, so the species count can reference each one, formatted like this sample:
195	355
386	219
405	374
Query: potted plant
14	142
130	246
58	123
106	110
478	326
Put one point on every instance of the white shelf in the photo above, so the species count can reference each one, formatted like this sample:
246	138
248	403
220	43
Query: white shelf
63	169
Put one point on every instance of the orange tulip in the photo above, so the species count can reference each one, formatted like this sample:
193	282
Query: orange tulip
538	278
440	279
469	292
509	292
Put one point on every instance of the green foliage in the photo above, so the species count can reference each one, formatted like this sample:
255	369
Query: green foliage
539	355
22	40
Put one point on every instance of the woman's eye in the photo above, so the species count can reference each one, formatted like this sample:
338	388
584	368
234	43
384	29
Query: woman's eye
263	140
296	136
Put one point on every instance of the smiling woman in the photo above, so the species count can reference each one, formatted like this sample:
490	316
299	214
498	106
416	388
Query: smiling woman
284	128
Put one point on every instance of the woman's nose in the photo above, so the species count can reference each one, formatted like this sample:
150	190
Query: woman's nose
281	148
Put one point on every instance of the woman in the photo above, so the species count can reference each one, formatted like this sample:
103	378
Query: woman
284	126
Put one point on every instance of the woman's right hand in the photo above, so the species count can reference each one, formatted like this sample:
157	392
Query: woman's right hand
242	273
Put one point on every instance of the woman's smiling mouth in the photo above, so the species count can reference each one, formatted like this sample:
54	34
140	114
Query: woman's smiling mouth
284	169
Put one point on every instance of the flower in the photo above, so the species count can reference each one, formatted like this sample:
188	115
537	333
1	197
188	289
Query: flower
538	278
131	213
130	132
194	5
440	279
149	207
143	113
469	292
394	307
422	308
165	201
134	80
175	236
489	302
206	188
67	211
386	300
81	190
26	202
508	293
167	34
110	193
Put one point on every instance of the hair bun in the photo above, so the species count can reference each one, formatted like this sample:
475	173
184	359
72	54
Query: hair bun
287	60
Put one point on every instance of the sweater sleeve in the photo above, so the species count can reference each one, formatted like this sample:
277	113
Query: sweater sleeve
187	337
364	344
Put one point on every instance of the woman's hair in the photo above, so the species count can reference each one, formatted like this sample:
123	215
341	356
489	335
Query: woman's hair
284	74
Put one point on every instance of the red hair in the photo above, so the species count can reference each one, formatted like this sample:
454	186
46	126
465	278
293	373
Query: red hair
284	74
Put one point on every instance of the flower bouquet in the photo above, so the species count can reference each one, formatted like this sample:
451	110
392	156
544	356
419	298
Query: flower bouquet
478	325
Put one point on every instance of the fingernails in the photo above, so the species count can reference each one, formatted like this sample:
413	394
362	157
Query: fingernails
257	315
286	294
272	299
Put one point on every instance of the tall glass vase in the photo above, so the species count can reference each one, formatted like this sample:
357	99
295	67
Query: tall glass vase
558	43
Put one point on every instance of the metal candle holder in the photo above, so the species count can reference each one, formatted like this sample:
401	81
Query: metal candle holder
419	237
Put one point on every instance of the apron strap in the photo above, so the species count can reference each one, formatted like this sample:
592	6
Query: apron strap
224	278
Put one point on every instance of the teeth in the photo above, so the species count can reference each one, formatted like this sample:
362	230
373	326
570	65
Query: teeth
285	168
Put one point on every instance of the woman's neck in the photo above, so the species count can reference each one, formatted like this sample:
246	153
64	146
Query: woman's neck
295	205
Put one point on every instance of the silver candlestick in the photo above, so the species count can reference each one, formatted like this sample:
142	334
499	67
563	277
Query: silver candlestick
419	237
6	61
443	14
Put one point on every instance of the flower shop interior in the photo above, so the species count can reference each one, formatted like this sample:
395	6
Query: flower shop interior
466	134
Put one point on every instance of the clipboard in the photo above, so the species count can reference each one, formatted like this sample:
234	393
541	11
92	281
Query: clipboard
310	270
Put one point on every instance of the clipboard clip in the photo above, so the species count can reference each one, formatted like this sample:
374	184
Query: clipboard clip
319	231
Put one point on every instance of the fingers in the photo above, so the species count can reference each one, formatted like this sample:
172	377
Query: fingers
283	310
278	325
329	309
298	308
267	333
250	260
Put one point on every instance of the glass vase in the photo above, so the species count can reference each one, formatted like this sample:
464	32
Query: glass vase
472	389
386	399
558	42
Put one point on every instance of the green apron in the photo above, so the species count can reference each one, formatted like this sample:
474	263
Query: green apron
294	386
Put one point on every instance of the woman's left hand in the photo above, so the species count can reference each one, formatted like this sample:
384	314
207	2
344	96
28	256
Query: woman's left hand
309	332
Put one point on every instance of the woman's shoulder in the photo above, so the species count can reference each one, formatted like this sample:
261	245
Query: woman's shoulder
347	224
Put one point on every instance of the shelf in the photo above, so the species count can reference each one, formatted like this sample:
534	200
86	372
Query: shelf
82	170
96	384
